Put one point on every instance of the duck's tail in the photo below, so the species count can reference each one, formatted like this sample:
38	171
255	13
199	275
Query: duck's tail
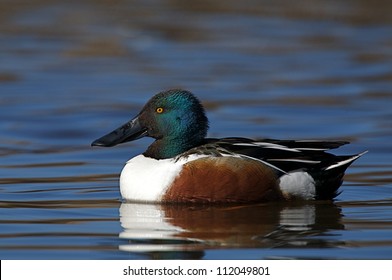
317	183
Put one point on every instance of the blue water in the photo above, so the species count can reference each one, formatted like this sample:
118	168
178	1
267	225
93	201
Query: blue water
71	72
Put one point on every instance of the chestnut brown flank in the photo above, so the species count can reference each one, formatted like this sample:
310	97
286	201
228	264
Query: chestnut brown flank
223	180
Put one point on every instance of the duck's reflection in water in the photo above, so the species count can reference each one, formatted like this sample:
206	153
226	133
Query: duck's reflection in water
185	231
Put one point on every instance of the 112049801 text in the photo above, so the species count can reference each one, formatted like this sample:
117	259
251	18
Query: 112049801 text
235	270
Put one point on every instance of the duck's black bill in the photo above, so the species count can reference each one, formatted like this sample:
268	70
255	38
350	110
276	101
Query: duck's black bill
130	131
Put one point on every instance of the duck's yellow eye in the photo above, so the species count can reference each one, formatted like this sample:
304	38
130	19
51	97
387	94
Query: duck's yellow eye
159	110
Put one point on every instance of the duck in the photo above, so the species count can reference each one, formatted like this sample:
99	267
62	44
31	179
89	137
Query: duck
183	165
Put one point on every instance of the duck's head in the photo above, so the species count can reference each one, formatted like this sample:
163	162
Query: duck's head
174	118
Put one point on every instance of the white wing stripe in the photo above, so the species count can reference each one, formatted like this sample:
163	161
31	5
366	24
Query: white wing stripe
266	163
343	162
296	160
268	146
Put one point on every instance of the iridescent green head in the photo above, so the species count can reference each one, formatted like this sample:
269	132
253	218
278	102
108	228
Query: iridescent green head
174	118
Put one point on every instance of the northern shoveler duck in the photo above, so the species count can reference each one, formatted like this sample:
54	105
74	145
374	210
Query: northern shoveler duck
182	165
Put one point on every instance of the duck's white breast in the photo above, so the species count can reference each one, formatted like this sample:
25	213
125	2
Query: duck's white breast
147	179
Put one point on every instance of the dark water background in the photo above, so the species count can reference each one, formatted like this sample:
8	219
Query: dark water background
70	71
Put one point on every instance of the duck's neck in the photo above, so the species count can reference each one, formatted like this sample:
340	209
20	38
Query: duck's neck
170	147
